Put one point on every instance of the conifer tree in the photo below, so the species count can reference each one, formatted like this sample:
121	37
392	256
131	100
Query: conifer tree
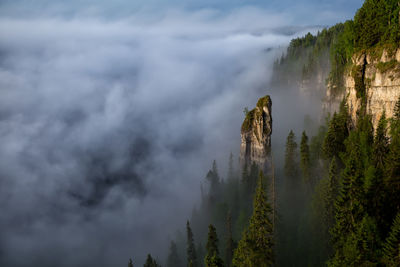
231	172
212	258
130	263
381	143
215	183
173	257
396	111
331	195
338	131
229	241
191	250
150	262
349	205
391	248
290	167
305	158
392	168
255	249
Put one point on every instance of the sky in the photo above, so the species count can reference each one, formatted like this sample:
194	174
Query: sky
111	113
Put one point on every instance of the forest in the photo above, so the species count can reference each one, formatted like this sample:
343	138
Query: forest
336	200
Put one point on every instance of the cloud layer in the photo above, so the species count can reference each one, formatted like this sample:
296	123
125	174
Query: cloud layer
108	126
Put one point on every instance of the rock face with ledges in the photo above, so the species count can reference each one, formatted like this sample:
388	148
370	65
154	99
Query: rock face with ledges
256	135
381	80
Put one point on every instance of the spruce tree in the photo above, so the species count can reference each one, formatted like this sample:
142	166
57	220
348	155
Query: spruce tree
229	247
381	143
212	258
305	159
255	249
231	171
396	111
349	209
130	263
392	170
215	183
338	131
150	262
391	248
173	257
290	167
191	250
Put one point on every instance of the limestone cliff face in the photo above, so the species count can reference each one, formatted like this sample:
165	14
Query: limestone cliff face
256	135
379	77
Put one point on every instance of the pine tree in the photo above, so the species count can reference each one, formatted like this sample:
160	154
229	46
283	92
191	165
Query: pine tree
173	257
305	158
337	133
381	143
396	111
291	157
231	171
150	262
349	205
391	248
255	249
229	241
323	201
215	183
212	258
392	170
130	263
191	250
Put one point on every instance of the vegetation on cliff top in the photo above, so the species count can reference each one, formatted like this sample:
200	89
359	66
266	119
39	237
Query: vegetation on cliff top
375	27
256	112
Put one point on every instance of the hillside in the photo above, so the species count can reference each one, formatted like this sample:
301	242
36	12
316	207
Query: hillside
358	60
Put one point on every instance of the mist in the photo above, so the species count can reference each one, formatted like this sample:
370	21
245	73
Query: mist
108	126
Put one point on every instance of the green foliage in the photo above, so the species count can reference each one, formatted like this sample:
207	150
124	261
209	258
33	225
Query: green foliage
215	183
130	263
212	258
326	192
305	57
396	111
386	66
191	250
340	55
337	133
264	101
150	262
255	249
305	164
291	157
358	74
173	257
381	143
376	23
230	243
391	247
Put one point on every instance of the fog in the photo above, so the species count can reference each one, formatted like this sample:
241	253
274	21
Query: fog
108	126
